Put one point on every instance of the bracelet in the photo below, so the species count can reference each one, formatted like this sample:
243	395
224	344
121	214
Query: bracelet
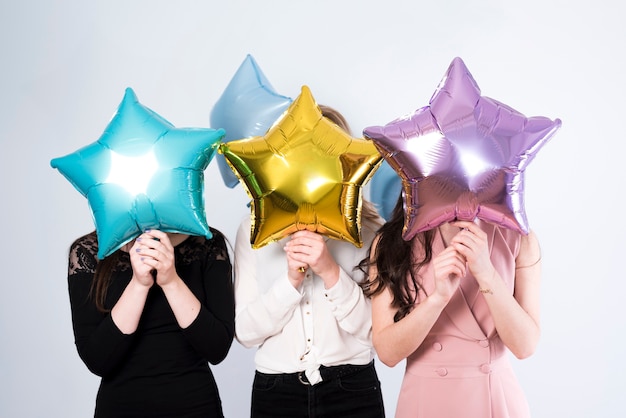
483	291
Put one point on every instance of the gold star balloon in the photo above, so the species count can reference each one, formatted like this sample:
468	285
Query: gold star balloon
305	173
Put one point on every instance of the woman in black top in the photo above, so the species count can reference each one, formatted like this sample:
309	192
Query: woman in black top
149	318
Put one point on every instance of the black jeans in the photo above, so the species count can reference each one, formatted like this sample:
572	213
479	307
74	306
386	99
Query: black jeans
345	391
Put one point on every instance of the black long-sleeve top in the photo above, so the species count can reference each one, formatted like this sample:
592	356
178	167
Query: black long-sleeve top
160	369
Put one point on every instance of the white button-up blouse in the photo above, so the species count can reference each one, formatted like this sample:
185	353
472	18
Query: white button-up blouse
300	329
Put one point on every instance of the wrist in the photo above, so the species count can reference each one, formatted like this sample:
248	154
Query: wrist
487	281
170	284
330	277
296	280
144	283
438	301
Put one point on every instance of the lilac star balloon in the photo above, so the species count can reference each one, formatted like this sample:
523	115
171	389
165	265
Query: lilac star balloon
142	173
462	157
248	107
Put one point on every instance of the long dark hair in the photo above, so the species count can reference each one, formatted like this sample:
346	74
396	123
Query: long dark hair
102	279
396	263
83	259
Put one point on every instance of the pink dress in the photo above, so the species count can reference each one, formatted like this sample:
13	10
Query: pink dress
462	367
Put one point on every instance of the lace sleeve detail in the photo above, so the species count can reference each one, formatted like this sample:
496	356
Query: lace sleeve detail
83	255
199	248
219	249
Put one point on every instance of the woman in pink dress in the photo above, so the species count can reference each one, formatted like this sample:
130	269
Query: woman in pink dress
453	301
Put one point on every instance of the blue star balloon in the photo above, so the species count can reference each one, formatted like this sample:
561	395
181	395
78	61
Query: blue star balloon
142	173
385	188
248	107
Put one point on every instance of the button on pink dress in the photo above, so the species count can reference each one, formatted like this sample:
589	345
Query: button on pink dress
462	367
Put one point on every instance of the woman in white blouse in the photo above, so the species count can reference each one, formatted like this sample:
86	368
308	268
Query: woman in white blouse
299	301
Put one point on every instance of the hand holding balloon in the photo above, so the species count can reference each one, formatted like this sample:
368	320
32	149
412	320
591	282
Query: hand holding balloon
142	272
155	252
310	249
449	267
472	244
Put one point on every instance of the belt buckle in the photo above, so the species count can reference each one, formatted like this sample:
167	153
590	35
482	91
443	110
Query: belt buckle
303	379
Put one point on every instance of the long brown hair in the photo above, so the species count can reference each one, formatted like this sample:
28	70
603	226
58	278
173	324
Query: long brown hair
83	259
102	279
396	264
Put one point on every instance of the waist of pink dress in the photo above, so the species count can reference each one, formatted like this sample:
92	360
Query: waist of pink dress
453	370
453	356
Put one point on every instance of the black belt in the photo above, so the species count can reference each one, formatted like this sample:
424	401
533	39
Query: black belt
333	372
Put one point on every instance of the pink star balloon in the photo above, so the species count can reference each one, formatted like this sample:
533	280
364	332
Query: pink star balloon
462	157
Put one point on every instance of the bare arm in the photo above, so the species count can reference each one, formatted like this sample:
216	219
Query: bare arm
129	307
516	317
158	254
394	341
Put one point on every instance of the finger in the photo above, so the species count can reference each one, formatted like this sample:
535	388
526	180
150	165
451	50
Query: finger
307	238
153	238
309	248
147	241
147	259
448	253
163	238
465	225
465	239
306	234
296	258
453	265
297	251
153	257
294	264
301	241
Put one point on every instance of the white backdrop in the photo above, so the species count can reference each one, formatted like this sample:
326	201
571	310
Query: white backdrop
65	65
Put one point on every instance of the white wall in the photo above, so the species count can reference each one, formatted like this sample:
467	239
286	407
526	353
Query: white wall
64	68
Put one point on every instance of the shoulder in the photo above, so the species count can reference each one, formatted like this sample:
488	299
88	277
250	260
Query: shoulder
202	248
83	254
88	241
244	228
497	233
530	251
524	247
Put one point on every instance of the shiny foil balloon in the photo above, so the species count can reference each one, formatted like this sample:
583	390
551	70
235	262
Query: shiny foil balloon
462	157
305	173
248	107
385	188
142	173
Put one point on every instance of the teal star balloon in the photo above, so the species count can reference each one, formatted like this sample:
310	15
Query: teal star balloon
142	173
